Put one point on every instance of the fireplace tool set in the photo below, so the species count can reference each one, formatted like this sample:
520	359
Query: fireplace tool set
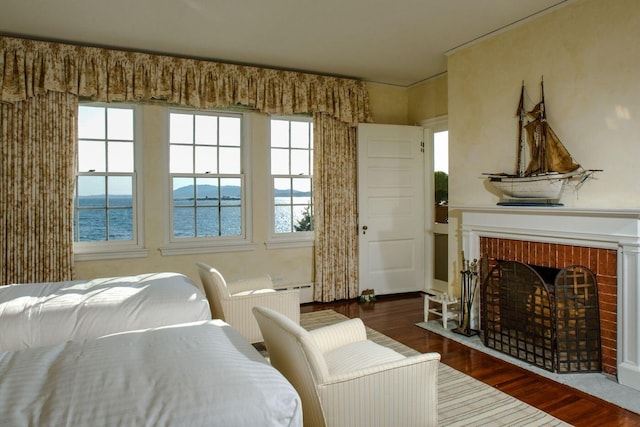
469	285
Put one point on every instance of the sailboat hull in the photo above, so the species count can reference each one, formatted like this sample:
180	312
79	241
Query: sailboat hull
542	187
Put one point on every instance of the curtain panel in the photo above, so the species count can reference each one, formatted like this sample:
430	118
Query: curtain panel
31	69
37	169
335	202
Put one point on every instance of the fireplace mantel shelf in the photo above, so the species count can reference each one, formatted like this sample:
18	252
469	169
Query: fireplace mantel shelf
550	210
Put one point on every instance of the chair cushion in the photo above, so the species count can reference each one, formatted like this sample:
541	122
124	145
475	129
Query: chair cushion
359	355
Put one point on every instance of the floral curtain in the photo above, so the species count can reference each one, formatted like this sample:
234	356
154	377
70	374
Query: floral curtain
33	68
335	204
37	146
30	68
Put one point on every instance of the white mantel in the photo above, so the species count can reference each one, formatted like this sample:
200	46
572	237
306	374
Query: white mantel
610	229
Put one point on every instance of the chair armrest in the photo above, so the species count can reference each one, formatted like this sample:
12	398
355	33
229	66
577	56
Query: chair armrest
333	336
405	392
237	310
251	284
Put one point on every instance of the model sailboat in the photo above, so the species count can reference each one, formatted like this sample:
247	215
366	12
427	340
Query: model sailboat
550	165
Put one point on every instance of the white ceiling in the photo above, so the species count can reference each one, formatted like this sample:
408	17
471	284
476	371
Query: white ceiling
400	43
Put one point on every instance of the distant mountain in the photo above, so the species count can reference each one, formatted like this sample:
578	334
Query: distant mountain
228	191
207	191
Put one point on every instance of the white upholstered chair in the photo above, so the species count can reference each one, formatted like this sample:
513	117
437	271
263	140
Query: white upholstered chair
345	379
233	302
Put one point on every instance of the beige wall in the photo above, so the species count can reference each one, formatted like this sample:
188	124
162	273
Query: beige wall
587	52
289	266
428	99
389	104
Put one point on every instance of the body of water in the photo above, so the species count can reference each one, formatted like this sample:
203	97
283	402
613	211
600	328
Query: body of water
191	218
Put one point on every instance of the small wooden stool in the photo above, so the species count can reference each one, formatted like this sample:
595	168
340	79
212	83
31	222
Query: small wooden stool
447	307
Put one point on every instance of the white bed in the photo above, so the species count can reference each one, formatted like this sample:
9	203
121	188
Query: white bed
40	314
197	374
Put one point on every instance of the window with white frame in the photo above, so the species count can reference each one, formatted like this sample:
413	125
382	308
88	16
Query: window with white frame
105	202
206	176
291	156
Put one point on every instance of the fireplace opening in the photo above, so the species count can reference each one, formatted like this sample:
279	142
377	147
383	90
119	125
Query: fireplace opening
544	316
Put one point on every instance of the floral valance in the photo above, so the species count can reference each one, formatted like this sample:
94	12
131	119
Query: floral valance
33	67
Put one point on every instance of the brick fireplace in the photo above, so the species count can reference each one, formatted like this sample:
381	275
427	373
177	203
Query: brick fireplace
606	242
602	262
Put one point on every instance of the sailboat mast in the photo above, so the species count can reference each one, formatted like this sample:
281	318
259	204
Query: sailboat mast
542	146
521	114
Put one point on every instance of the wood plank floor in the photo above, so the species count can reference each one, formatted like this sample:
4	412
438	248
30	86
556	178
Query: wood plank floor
396	316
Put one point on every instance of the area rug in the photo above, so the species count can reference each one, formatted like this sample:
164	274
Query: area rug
462	400
595	384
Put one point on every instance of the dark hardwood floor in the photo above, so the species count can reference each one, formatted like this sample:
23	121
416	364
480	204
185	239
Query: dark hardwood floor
396	316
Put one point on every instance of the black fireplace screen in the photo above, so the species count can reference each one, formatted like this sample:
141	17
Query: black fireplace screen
552	323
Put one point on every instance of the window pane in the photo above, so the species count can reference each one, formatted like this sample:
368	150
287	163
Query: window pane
230	131
120	124
181	159
230	160
279	161
282	219
300	162
280	133
91	156
91	122
230	219
206	159
120	190
302	218
302	191
120	224
299	134
93	225
282	190
181	128
183	192
231	189
207	191
120	155
92	191
206	130
183	222
207	221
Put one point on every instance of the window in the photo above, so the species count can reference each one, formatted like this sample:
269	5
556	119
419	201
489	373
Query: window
105	204
292	177
206	177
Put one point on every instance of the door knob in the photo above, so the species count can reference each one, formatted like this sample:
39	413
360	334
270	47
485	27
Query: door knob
364	229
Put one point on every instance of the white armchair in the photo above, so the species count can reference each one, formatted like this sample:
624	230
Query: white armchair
345	379
233	302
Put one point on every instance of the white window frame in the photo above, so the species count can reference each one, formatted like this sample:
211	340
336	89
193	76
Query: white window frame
210	244
117	249
293	239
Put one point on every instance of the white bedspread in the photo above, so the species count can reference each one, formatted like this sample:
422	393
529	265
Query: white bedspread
197	374
40	314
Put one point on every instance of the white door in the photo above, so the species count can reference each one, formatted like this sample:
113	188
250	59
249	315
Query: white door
391	208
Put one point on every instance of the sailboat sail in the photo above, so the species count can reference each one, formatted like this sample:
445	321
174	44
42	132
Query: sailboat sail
550	165
547	153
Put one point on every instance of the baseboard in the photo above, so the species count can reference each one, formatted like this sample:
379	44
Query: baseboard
306	291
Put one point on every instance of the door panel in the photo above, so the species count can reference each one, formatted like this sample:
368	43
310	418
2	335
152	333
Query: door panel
390	208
